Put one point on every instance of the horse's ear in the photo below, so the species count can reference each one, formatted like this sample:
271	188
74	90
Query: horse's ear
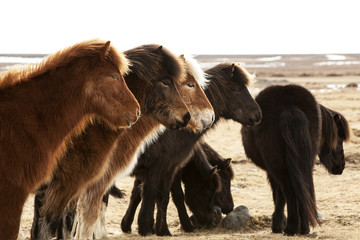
232	70
160	49
227	162
182	57
105	50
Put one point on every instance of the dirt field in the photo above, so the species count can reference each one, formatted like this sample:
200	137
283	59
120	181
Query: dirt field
338	197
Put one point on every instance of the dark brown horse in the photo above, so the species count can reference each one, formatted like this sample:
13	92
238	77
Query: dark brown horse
157	166
285	145
156	77
42	105
207	183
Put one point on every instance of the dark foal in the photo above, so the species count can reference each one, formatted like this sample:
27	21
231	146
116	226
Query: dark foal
157	166
285	145
207	184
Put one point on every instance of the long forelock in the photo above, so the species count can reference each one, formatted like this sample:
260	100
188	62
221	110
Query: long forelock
62	58
193	68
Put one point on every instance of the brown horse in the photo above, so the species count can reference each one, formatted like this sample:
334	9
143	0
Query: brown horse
154	74
43	105
90	202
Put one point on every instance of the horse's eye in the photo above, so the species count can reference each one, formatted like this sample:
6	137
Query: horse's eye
116	76
166	83
191	85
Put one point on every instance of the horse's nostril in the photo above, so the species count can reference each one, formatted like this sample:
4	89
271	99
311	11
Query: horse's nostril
186	118
138	112
212	118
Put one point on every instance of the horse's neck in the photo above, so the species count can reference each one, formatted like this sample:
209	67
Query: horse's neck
212	92
133	142
52	109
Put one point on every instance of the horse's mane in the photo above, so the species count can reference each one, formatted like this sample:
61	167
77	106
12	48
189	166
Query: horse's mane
215	158
192	66
219	75
234	68
143	58
62	58
330	129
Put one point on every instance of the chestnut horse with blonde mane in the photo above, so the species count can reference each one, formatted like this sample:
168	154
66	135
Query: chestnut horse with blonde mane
156	77
43	105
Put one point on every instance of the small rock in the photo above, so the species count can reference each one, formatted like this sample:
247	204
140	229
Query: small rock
237	219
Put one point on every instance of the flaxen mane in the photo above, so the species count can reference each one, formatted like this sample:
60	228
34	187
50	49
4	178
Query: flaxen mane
62	58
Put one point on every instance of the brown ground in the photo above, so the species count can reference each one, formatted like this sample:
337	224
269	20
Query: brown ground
338	197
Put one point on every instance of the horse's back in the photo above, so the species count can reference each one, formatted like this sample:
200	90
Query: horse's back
266	139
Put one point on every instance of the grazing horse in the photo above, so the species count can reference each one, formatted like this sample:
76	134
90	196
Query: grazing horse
43	105
294	129
207	184
157	98
158	165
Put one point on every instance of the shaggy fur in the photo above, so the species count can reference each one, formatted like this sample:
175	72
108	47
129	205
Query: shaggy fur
92	150
285	145
156	168
158	96
42	105
207	178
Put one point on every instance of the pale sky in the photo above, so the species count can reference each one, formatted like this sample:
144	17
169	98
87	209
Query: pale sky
184	26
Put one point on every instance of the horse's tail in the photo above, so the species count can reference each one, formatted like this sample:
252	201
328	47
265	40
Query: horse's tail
116	192
300	157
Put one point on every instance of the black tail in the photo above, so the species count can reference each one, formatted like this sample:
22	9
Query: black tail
300	157
116	192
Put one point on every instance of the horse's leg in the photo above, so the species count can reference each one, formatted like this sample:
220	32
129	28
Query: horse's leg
278	217
88	210
12	200
55	202
35	224
161	226
293	219
146	213
68	221
100	230
135	199
179	200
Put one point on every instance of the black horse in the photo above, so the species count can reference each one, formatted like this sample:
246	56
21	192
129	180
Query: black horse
207	183
294	129
228	94
203	191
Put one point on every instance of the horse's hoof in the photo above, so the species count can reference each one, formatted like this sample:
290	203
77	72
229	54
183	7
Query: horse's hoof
288	232
164	233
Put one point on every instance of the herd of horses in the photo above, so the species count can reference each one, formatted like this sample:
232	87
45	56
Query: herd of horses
90	114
